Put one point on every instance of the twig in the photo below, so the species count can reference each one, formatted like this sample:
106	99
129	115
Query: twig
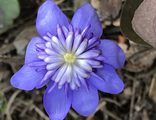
33	107
18	102
13	67
6	49
26	103
67	9
111	114
6	89
151	87
73	114
132	100
59	2
11	100
129	76
112	101
2	86
40	112
17	60
1	75
150	72
145	116
100	105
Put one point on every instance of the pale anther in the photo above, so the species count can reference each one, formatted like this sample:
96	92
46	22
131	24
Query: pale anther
69	58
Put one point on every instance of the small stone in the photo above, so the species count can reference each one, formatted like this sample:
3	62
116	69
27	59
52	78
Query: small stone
127	91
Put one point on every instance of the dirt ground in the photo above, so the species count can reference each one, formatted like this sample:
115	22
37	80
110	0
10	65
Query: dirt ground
136	102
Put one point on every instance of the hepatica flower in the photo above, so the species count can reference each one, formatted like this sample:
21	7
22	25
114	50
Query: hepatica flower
72	59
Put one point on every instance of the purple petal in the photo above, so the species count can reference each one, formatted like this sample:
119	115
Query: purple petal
31	53
84	65
85	16
49	15
40	85
81	72
89	54
47	38
77	42
27	78
114	54
85	31
69	41
82	47
89	36
107	80
40	46
65	31
36	64
92	40
85	102
60	35
72	84
77	32
56	103
84	83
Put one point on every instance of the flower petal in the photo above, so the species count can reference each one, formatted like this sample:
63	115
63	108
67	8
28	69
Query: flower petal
27	78
31	53
40	85
56	103
49	15
114	54
85	102
85	16
111	83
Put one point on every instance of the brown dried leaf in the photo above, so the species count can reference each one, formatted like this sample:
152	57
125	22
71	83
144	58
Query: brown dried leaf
79	3
144	21
142	61
152	90
109	8
127	14
23	39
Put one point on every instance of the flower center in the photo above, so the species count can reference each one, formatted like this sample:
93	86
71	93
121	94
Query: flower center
69	58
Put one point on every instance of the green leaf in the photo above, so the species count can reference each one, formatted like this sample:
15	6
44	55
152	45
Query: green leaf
9	10
126	19
3	103
4	106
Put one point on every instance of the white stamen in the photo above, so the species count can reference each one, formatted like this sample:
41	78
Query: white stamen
82	47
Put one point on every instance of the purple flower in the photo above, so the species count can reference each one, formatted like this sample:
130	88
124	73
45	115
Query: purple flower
72	59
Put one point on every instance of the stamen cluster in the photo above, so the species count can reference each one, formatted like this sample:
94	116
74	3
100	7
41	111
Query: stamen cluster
68	57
